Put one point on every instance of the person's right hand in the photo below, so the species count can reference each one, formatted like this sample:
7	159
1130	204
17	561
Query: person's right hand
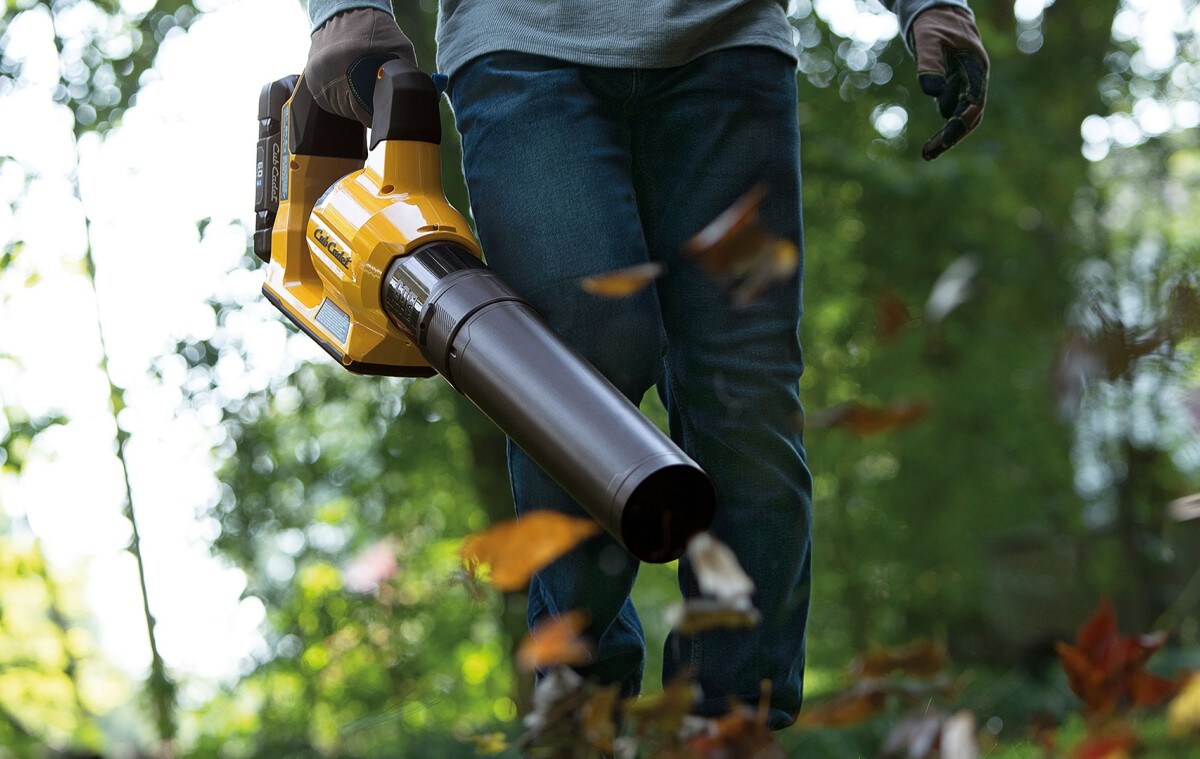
346	52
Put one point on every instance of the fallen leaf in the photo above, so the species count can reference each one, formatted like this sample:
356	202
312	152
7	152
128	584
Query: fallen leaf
1106	670
951	289
891	316
867	421
557	698
717	569
741	734
868	697
599	727
661	712
517	548
554	641
623	282
1114	746
696	615
489	743
921	658
1183	713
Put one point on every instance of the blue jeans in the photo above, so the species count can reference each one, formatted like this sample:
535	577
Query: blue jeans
575	171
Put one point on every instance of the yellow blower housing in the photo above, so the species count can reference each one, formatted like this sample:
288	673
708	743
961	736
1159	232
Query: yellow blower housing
339	222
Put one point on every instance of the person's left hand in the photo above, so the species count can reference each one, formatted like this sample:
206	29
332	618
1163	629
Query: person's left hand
952	66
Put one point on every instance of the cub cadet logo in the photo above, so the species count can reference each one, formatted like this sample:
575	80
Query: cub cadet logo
325	241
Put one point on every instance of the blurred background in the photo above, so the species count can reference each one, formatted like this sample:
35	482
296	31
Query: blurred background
214	542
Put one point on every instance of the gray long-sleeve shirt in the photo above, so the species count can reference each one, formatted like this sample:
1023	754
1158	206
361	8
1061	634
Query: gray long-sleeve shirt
616	33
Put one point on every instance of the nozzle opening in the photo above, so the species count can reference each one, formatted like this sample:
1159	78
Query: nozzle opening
665	510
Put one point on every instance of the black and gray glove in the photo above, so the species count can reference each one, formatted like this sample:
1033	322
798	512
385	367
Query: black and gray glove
952	66
346	52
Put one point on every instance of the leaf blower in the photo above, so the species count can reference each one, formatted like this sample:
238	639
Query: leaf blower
365	255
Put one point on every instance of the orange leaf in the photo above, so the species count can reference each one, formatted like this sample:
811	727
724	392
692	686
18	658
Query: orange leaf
866	421
623	282
517	548
922	658
555	640
741	733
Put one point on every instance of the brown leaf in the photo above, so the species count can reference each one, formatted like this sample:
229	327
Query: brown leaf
517	548
1106	670
891	316
717	569
553	641
696	615
741	734
739	255
867	421
921	658
851	707
599	728
868	697
623	282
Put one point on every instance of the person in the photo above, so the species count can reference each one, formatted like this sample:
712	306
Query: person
602	134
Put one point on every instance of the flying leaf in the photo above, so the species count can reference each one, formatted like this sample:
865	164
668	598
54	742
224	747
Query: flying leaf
891	316
868	697
921	658
916	736
717	569
1183	713
623	282
555	640
1185	509
696	615
867	421
739	255
952	288
774	264
959	739
517	548
1105	670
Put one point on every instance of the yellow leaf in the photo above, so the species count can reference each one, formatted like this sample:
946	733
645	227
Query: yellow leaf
1183	713
517	548
623	282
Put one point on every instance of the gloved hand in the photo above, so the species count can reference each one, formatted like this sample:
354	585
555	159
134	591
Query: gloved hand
346	52
952	66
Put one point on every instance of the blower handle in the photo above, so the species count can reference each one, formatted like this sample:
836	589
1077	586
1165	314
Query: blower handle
406	105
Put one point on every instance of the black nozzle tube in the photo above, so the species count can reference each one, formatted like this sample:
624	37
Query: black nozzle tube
494	348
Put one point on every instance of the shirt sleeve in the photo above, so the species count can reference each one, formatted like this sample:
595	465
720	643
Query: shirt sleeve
905	10
320	11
